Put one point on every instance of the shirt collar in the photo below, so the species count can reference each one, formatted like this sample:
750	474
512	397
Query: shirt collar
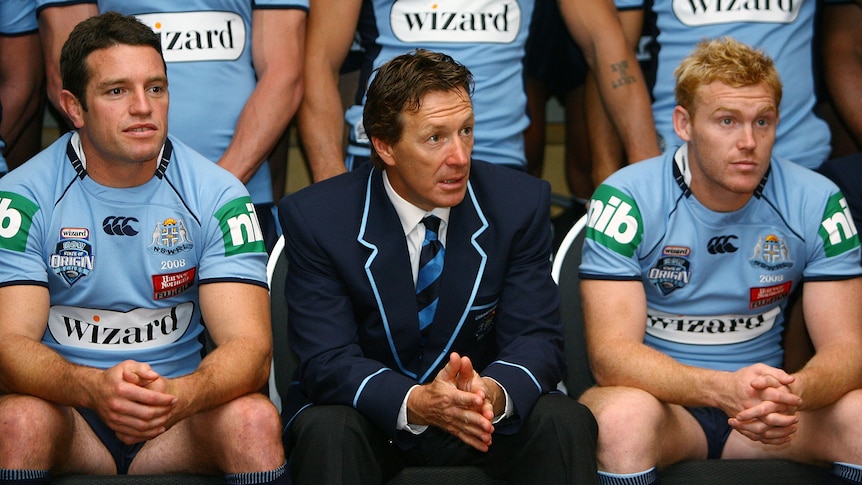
409	214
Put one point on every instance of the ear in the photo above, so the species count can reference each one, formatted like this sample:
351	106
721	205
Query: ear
682	123
384	150
72	107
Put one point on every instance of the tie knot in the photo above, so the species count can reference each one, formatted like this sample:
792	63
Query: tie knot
432	226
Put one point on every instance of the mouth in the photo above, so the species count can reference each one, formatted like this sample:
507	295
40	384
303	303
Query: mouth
141	129
746	164
452	181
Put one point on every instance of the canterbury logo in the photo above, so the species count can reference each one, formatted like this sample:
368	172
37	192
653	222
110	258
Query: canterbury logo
721	245
119	226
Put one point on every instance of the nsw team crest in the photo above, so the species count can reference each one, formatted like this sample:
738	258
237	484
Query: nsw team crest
171	237
771	253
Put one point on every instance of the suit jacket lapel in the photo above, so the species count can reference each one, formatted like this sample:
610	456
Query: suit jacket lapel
388	271
391	279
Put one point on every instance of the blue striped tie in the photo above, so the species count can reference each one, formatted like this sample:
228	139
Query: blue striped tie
430	268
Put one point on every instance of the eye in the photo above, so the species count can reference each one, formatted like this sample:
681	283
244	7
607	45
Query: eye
115	91
434	138
467	131
726	121
762	122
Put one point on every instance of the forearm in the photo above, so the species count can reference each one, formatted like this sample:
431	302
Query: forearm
597	28
831	373
606	148
21	73
836	367
55	24
31	368
625	98
278	49
237	316
321	128
321	114
261	124
231	370
635	365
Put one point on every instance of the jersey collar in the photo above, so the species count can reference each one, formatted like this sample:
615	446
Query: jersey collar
682	173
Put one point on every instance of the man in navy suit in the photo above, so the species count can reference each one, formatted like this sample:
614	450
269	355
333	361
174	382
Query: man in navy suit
476	386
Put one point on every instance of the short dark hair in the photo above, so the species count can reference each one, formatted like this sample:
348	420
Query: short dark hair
400	84
100	32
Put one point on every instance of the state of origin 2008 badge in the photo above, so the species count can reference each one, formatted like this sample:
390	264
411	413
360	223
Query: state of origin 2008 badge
73	258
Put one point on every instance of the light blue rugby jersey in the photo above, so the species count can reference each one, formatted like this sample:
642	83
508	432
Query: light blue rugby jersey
207	46
18	17
784	29
717	283
487	36
123	266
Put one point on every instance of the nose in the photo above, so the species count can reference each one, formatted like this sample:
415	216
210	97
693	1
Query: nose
140	103
460	151
747	140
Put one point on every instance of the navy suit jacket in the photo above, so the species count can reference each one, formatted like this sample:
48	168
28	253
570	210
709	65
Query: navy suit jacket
352	314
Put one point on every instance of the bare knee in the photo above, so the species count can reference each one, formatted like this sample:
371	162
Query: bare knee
31	429
623	410
629	420
247	430
846	428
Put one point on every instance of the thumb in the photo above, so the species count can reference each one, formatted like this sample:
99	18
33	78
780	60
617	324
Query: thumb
450	371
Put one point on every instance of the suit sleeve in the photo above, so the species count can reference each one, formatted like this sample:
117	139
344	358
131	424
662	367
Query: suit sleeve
323	332
531	360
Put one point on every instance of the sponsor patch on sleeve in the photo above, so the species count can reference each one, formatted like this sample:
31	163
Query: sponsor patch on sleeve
837	228
240	228
615	221
16	216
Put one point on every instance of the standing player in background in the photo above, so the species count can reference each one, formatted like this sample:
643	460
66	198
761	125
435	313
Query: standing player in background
555	69
486	36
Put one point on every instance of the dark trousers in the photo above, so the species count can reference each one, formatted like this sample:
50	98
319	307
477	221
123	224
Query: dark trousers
555	445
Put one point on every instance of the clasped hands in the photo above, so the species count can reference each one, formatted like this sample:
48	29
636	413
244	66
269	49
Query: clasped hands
765	406
134	401
459	401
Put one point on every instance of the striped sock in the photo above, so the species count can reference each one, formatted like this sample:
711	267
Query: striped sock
647	477
848	471
274	477
21	477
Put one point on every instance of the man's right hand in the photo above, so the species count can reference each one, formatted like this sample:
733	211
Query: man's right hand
768	406
133	400
441	403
